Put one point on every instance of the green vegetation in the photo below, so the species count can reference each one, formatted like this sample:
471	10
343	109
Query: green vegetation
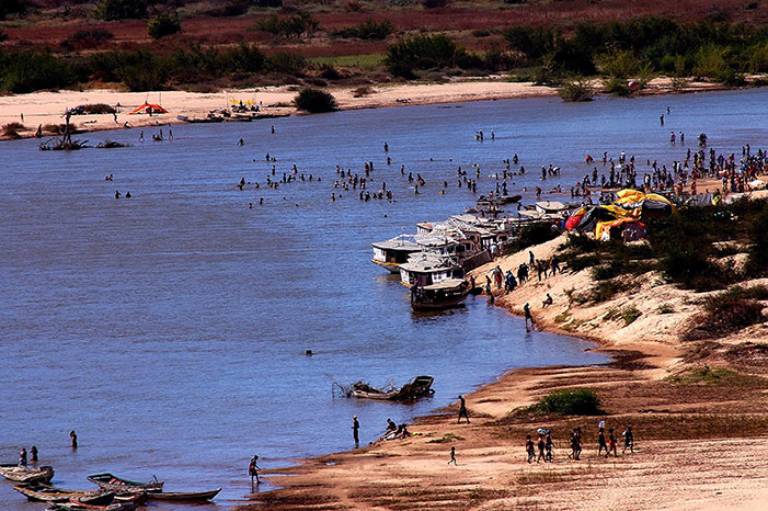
365	61
121	9
577	89
726	313
163	25
298	26
315	101
11	130
445	439
139	70
369	29
711	49
706	375
569	402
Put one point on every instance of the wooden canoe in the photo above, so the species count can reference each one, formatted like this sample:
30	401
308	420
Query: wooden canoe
71	506
26	474
111	482
49	493
180	496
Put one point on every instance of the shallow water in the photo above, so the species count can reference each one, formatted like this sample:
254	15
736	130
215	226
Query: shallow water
169	329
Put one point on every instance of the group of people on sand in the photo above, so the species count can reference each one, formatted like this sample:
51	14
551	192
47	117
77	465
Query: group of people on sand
607	444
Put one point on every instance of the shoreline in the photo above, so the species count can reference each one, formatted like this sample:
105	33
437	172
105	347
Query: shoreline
47	108
634	386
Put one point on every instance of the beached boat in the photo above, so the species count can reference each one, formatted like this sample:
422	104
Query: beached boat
21	474
111	482
43	493
442	295
179	496
425	269
74	506
390	254
420	386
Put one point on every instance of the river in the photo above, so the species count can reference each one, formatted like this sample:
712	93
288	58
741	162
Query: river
169	329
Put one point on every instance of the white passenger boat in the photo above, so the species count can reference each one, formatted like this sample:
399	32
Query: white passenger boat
390	254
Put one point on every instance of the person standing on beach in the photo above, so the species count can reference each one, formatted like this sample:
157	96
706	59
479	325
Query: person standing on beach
453	456
23	457
356	431
73	439
548	447
463	412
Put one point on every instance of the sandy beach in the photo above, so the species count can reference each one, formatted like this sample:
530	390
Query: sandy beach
698	446
47	108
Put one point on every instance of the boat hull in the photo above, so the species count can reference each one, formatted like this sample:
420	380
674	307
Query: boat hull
184	496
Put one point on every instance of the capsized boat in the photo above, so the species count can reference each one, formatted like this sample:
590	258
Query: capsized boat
420	386
22	474
390	254
439	296
117	484
179	496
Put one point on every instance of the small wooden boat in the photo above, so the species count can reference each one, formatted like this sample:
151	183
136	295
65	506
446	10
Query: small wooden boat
44	493
103	498
21	474
116	484
73	506
180	496
441	295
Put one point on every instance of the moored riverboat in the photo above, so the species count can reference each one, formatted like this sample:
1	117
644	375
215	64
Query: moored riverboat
446	294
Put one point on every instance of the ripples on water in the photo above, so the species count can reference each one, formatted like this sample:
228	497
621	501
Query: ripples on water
169	329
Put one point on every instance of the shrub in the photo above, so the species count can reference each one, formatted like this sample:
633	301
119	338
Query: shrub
287	63
315	101
621	64
724	313
11	130
3	36
121	9
329	72
434	4
575	90
369	29
531	42
617	86
297	26
27	71
87	39
570	402
163	25
230	8
420	52
630	314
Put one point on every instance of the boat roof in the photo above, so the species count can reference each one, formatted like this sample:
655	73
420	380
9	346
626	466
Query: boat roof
398	243
428	263
444	284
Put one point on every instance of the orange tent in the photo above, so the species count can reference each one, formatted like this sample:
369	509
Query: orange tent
149	108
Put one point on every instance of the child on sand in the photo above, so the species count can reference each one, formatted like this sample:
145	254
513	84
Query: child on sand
453	456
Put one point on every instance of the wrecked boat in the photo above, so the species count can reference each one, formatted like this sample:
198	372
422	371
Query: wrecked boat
420	386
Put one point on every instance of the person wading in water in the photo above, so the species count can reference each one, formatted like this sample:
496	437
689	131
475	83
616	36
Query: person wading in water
253	471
